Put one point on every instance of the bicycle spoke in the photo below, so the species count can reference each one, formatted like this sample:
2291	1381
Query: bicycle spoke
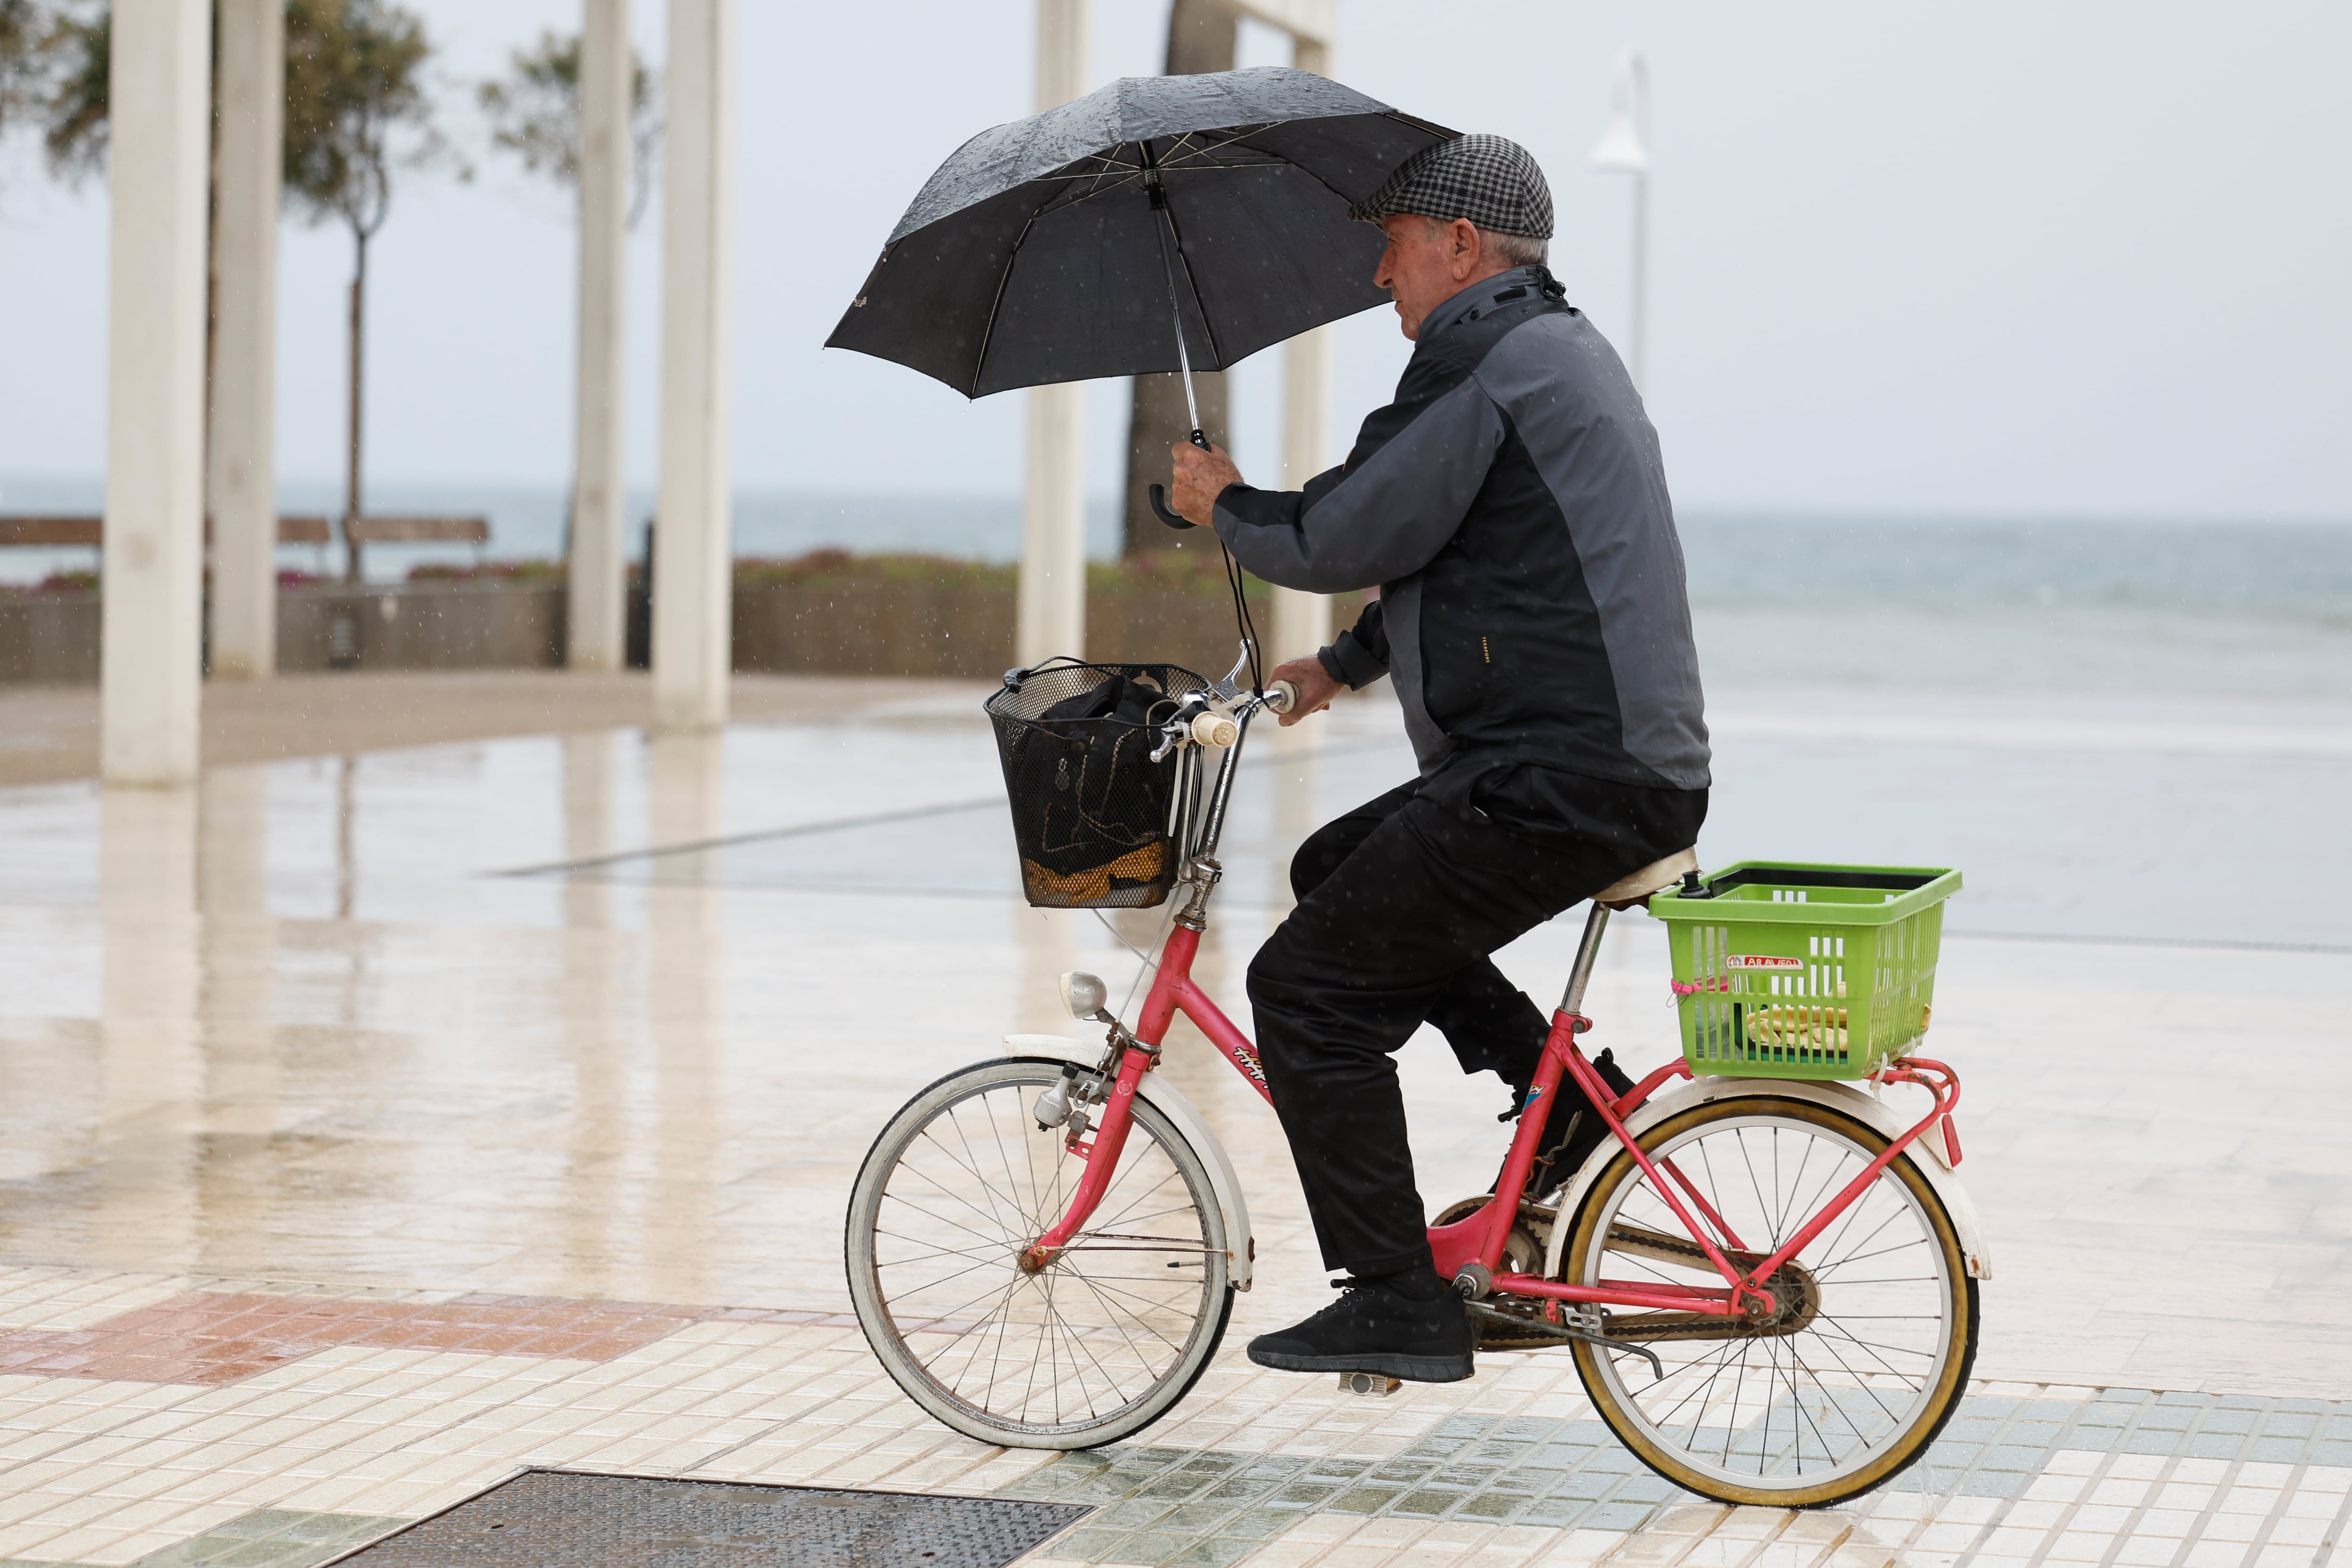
1104	1292
1792	1409
1071	1346
942	1220
980	1181
1739	1140
1860	1382
1821	1268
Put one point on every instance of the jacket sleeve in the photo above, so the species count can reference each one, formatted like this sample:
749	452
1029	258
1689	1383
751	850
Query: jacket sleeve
1358	656
1383	514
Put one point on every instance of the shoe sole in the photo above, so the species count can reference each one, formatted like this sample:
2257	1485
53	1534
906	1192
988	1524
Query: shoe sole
1411	1368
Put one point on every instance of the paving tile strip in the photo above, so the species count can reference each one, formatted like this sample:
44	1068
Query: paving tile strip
116	1380
216	1338
1191	1509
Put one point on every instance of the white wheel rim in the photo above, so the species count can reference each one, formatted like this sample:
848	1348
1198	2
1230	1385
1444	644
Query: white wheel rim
1796	1412
1082	1344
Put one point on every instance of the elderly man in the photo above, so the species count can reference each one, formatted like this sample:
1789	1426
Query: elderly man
1511	506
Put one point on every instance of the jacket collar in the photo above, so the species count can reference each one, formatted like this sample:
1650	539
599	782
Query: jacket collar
1475	300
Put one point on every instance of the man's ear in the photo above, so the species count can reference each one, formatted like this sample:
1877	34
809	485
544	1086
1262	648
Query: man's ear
1465	247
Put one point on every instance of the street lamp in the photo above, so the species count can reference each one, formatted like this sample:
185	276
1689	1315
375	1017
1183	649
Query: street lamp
1625	149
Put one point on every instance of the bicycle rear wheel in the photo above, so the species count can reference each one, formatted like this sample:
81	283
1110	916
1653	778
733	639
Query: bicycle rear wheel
1865	1360
1094	1347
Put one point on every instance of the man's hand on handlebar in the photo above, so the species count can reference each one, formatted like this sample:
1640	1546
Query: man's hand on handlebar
1199	478
1316	688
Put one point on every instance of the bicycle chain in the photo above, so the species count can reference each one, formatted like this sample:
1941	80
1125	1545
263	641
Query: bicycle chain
1791	1281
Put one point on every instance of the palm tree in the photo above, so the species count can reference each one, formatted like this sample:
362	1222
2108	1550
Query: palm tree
1202	36
72	55
23	31
534	113
356	112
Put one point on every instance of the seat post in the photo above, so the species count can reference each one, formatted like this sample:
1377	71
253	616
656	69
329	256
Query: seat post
1587	952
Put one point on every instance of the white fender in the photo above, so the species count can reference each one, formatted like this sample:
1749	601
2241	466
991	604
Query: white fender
1841	1097
1170	1101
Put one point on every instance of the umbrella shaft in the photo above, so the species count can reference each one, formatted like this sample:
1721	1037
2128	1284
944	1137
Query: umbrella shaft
1175	306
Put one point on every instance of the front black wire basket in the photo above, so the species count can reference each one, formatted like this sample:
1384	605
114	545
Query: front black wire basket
1090	808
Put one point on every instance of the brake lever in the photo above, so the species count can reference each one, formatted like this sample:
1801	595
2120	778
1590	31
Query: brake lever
1230	686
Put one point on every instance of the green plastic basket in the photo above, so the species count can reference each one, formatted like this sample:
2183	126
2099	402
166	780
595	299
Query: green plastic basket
1795	971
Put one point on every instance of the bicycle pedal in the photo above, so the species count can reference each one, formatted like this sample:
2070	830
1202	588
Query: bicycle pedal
1377	1385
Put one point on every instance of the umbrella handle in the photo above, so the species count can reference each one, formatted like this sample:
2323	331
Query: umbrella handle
1167	514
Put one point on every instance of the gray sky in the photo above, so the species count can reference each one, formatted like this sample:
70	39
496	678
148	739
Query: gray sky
2085	258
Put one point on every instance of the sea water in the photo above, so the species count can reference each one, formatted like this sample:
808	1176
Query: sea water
2118	730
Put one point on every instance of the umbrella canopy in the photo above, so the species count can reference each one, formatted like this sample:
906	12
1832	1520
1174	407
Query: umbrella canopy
1045	250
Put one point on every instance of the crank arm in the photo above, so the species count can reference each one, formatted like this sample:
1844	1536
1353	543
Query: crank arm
1657	1368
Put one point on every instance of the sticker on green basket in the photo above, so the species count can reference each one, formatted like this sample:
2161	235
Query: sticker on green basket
1761	961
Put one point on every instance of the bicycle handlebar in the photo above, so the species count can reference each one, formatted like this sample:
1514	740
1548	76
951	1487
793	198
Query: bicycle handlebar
1202	723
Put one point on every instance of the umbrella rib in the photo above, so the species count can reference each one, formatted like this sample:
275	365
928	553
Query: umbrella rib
1208	328
995	305
1206	149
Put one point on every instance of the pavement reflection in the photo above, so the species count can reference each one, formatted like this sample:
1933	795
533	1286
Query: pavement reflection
611	1015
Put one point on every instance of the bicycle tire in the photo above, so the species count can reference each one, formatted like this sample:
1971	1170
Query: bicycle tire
895	1307
1926	1380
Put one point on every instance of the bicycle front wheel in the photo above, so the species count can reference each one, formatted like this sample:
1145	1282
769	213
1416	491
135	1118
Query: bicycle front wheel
1094	1347
1868	1352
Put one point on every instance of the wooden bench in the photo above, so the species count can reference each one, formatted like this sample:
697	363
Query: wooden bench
418	530
91	532
361	532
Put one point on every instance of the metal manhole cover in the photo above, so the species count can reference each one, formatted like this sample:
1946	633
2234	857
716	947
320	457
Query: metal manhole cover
544	1518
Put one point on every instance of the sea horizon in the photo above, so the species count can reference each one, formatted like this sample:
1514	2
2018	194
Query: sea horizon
1737	556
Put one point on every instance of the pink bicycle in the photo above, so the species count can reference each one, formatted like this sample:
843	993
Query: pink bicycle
1768	1285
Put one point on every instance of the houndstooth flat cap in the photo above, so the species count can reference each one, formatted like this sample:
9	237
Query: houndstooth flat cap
1490	180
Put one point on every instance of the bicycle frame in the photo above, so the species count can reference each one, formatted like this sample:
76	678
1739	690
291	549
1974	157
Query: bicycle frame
1479	1239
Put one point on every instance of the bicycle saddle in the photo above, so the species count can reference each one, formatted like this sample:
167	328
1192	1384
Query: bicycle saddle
1655	878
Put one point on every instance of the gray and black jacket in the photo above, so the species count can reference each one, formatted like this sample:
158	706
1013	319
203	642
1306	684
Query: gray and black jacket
1512	506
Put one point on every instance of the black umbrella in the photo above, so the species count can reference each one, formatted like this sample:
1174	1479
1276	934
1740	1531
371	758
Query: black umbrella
1159	224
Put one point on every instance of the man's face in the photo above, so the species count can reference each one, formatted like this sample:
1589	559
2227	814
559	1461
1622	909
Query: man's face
1425	264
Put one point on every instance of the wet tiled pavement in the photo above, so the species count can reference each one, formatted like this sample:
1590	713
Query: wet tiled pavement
341	1178
352	1439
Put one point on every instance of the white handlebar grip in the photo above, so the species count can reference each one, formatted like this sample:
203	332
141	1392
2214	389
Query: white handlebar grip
1215	729
1281	696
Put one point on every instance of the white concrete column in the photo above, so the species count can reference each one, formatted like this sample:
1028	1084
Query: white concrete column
597	624
693	545
241	469
160	85
1053	608
1052	605
1302	621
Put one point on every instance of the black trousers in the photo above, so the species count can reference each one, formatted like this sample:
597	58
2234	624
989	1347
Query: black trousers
1401	902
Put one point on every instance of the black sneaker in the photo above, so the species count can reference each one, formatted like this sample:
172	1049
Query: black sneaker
1374	1329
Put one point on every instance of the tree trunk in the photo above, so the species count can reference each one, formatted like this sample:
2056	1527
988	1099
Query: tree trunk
212	310
1201	36
351	477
